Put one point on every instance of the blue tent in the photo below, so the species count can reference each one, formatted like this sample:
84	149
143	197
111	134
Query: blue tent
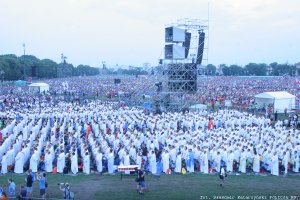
20	82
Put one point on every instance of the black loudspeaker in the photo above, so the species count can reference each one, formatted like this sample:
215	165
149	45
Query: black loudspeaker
117	81
200	48
187	43
33	71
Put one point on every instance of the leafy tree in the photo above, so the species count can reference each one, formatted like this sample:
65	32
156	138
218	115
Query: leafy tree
211	69
256	69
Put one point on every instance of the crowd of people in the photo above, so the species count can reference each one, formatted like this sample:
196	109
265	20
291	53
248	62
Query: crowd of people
45	133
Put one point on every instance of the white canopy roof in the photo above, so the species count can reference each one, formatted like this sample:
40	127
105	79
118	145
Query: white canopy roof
275	95
38	85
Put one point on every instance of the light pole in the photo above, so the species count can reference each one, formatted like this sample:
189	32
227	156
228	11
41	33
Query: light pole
24	74
2	75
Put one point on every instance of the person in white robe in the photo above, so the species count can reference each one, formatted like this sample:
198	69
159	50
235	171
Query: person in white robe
10	157
285	162
217	162
296	162
61	162
166	161
138	160
34	162
4	164
48	162
110	162
19	162
275	165
178	163
152	163
74	163
230	160
86	163
205	162
126	161
256	163
242	166
99	161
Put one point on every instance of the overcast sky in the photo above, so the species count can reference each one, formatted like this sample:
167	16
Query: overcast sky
128	32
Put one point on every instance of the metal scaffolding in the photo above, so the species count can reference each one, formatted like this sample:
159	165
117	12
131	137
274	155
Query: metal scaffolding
178	75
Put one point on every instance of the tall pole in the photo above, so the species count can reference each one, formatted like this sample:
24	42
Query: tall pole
24	74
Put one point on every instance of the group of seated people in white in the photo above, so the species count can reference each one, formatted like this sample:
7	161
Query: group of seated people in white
96	137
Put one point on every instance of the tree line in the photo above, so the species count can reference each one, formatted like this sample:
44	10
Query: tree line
13	67
252	69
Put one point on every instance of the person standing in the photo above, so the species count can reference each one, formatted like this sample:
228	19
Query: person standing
11	189
141	181
43	184
48	162
23	192
61	162
29	183
256	163
222	176
4	164
86	163
99	161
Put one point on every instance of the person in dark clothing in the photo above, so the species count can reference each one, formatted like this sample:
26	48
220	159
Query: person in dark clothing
23	193
140	181
29	183
276	116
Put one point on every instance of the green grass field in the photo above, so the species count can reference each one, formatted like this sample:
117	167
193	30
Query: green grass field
190	186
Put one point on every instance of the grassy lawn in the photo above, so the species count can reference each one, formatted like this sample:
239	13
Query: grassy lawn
191	186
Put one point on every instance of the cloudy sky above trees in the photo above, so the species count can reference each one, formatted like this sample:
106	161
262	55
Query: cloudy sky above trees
131	32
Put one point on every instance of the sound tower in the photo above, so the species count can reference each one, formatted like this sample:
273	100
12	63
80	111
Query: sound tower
200	47
182	78
187	43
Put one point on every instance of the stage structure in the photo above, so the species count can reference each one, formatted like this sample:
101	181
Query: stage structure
184	52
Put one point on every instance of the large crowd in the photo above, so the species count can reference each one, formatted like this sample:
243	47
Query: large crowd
46	133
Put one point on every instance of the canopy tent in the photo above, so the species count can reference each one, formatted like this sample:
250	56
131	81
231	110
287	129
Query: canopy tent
279	100
20	82
198	107
39	87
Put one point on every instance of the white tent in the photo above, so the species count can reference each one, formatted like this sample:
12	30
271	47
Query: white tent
280	100
198	107
39	87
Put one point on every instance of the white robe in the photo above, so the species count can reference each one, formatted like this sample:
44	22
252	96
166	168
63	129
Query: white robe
126	162
86	164
139	161
110	163
99	162
166	162
34	162
243	162
61	163
4	165
275	166
74	164
205	164
10	157
218	163
256	163
178	164
285	162
19	162
230	160
296	164
48	163
153	164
